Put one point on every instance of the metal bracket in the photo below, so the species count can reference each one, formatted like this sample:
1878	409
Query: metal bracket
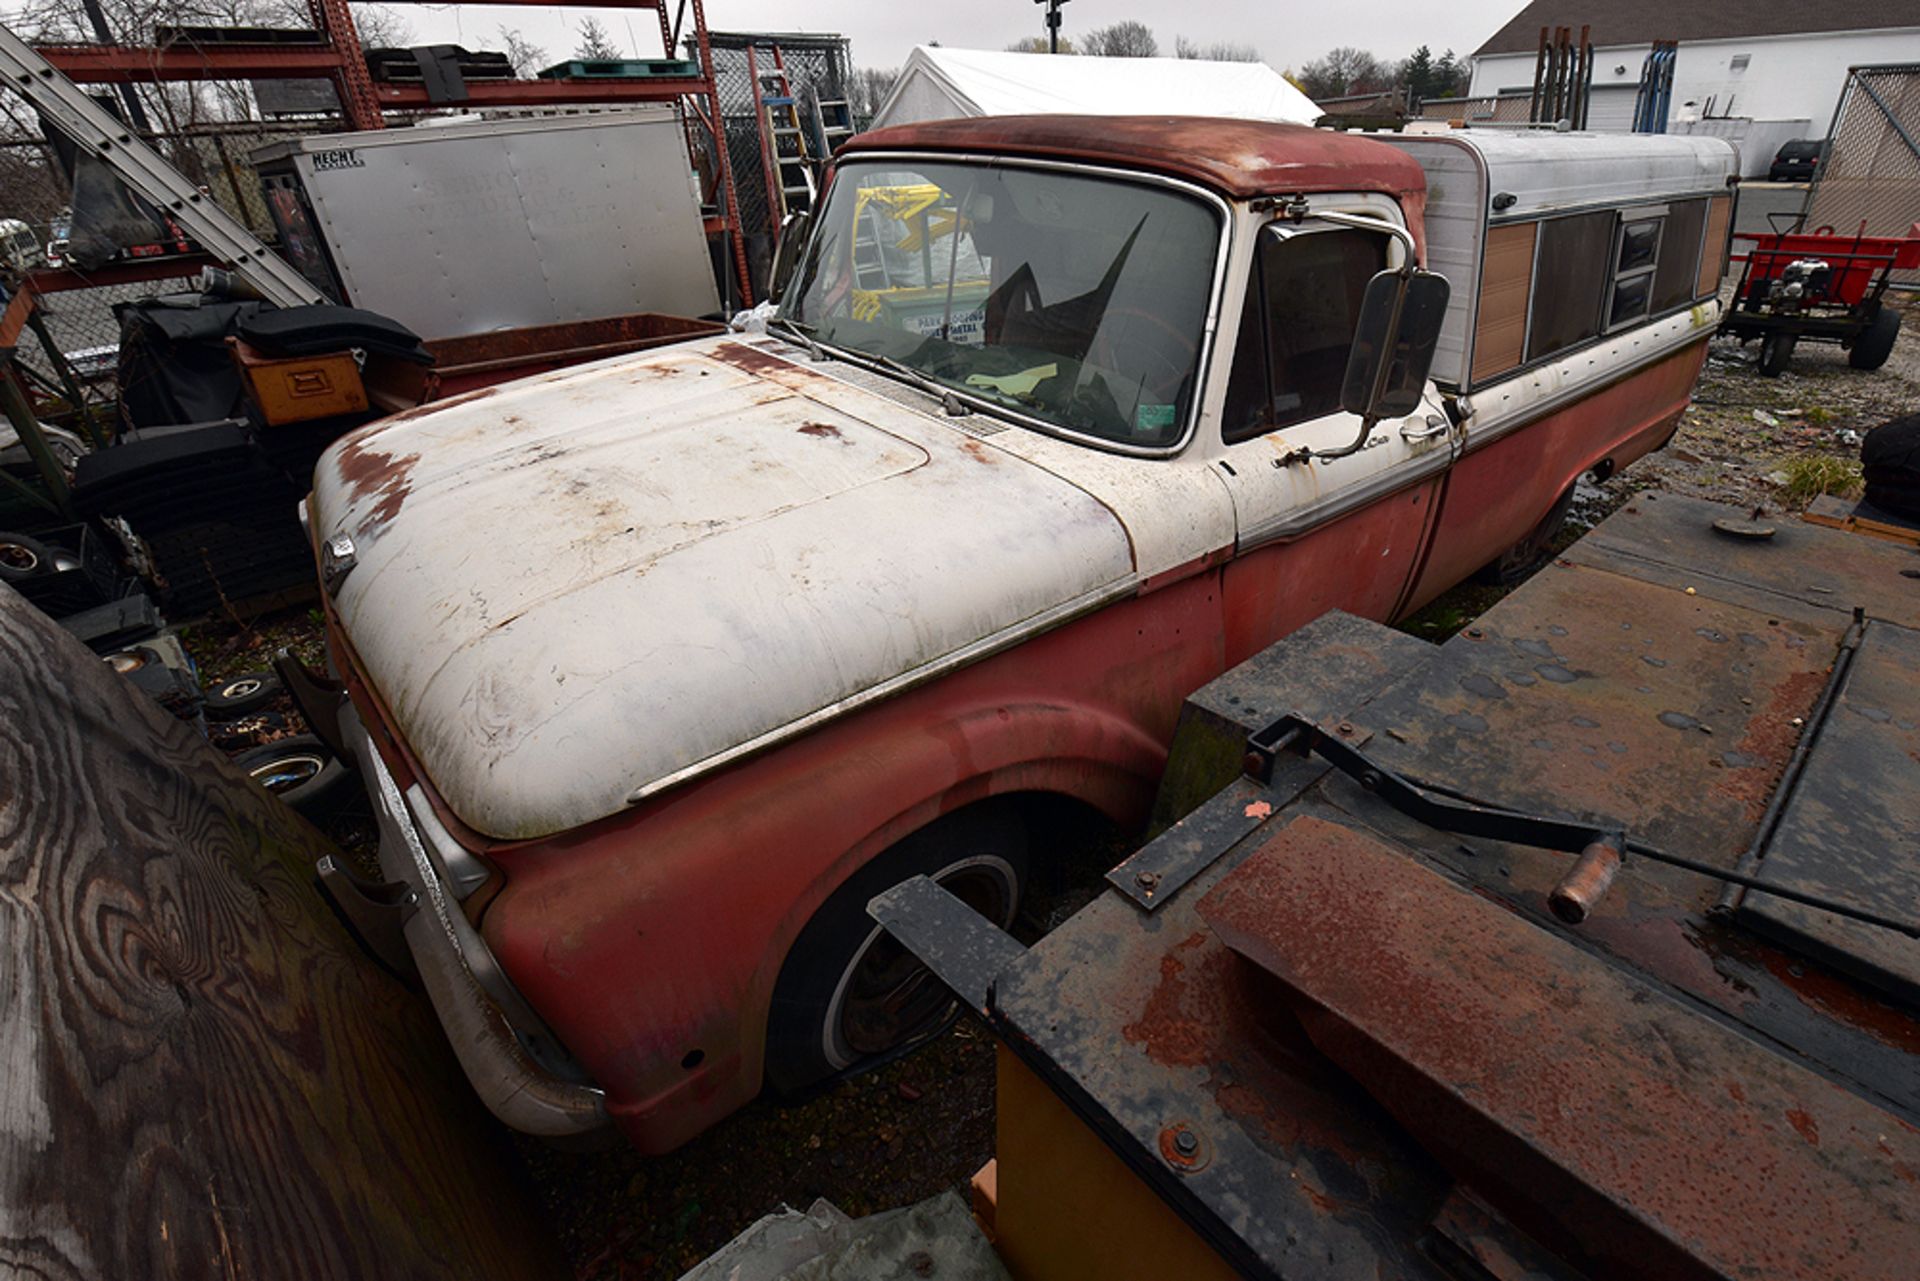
965	950
376	912
318	699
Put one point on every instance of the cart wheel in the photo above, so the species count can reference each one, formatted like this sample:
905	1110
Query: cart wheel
1776	350
1871	349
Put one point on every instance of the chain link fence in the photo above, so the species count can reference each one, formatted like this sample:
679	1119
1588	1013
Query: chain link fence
1871	175
35	191
820	65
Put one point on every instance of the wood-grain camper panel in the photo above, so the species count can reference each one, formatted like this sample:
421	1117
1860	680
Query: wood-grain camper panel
1506	276
1713	253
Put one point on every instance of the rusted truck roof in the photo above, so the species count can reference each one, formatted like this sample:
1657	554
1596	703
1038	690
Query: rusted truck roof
1238	158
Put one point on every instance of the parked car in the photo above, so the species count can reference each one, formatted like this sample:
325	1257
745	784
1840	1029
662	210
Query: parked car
661	667
19	247
1797	160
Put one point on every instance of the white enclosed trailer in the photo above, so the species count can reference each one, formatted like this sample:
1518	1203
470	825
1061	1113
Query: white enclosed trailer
490	224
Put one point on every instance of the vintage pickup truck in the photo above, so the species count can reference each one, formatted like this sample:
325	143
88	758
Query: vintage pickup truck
659	668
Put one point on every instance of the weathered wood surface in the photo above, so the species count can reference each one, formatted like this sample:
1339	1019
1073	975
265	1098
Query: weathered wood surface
200	1075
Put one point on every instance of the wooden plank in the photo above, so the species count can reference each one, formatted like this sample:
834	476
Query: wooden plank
204	1077
1506	278
1713	252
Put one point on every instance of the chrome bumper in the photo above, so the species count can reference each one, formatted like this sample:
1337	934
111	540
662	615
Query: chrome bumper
487	1022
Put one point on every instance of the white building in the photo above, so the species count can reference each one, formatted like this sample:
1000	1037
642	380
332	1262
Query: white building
1777	65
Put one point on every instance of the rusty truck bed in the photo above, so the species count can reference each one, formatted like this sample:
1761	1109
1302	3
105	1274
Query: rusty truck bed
1334	1021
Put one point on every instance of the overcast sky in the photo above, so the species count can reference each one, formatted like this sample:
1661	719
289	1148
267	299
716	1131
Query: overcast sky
1286	32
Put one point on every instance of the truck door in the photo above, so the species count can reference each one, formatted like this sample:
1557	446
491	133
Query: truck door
1314	535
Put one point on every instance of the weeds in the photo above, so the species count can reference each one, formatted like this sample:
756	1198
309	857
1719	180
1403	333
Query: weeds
1810	475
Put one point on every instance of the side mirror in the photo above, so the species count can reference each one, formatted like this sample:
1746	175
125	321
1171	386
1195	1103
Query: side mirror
1393	342
786	251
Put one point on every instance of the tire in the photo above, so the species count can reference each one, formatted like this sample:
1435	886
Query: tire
22	558
301	770
1871	349
1776	353
1514	565
243	695
827	1017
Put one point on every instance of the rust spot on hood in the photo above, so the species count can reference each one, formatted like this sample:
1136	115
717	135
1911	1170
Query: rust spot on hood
751	359
980	453
376	476
823	431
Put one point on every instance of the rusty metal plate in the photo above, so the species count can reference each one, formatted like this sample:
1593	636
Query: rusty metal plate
1598	696
1851	830
1604	1117
1667	539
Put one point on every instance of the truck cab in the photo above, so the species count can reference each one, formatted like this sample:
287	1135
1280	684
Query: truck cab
661	667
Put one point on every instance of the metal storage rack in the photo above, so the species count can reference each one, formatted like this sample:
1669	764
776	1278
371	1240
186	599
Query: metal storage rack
340	59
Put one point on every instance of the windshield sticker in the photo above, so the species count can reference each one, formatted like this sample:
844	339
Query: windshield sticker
1153	417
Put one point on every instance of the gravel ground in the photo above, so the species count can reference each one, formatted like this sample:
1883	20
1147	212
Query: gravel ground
925	1124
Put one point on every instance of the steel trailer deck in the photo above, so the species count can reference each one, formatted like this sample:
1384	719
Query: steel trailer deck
1317	1034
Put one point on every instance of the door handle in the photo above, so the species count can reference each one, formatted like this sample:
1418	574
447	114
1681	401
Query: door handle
1436	425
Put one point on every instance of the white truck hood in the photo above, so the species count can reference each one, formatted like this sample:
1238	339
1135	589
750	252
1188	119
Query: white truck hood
584	587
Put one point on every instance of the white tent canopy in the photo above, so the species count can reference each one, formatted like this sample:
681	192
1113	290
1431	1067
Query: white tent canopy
938	83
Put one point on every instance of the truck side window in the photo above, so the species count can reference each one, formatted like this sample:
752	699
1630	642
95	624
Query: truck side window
1296	328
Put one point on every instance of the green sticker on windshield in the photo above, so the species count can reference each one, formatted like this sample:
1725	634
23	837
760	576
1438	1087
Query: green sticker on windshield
1152	417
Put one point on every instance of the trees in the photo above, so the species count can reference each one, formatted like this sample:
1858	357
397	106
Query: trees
1345	71
869	88
523	55
595	45
1425	77
1216	51
1038	44
1121	40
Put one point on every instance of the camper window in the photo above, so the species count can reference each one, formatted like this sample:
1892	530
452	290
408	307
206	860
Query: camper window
1569	281
1638	249
1680	247
1296	328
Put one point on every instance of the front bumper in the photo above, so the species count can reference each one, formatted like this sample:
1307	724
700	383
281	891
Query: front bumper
488	1023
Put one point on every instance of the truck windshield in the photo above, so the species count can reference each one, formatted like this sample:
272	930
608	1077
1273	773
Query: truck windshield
1073	299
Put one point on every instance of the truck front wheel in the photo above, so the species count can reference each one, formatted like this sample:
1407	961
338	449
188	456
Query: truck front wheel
848	993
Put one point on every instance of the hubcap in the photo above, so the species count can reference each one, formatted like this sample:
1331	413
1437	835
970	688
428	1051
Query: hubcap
287	772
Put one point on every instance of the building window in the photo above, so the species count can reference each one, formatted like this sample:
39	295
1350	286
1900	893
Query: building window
1296	327
1740	61
1569	281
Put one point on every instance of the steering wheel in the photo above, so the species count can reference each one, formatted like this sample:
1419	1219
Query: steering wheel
1174	369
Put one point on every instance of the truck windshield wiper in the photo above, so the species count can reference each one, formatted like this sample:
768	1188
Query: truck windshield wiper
801	332
955	407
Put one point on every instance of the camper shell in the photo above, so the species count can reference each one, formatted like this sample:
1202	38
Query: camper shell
1554	241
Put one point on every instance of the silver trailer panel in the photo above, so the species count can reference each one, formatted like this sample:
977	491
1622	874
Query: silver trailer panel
464	228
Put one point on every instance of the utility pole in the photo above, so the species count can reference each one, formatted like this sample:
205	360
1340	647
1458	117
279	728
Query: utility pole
1053	23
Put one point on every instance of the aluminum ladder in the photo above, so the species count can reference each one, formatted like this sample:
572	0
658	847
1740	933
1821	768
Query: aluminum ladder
62	103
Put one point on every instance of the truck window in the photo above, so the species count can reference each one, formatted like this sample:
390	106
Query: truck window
1296	327
1076	301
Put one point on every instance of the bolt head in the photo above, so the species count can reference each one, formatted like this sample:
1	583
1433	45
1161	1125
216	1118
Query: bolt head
1147	880
1186	1142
